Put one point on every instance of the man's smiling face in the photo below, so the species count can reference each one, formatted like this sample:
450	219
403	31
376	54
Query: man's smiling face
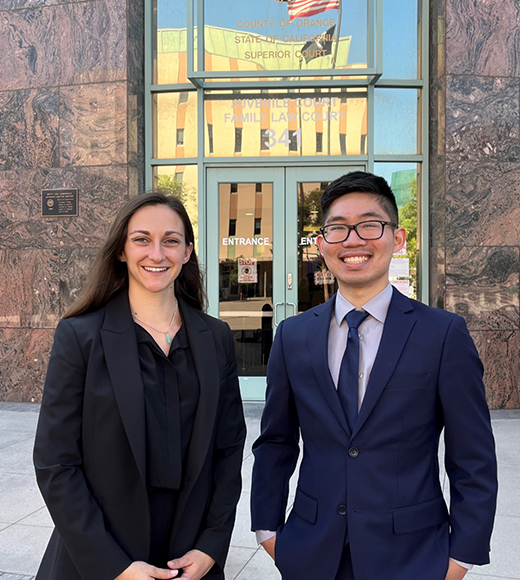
360	266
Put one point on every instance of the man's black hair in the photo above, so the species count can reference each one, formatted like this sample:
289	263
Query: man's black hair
361	182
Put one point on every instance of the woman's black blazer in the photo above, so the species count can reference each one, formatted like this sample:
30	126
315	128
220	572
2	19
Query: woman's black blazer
89	451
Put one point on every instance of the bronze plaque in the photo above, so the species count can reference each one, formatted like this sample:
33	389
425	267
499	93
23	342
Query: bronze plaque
59	202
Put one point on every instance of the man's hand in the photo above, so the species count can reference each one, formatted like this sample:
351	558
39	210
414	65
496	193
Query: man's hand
268	546
455	571
144	571
194	564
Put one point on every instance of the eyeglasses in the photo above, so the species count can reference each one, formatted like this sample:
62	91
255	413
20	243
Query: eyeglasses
369	230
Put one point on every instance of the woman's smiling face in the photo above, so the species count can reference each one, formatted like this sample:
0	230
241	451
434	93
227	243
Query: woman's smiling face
155	249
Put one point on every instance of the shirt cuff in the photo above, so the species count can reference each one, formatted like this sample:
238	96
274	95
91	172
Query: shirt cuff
264	535
463	564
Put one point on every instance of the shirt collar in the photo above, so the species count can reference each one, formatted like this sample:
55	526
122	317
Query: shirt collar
377	306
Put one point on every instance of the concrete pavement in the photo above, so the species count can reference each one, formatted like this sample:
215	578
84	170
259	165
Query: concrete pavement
25	525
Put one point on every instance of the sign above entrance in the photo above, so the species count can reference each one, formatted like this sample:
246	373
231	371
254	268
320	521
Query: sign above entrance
332	122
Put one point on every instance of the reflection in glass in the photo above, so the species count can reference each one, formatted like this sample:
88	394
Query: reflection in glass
170	64
181	181
403	179
176	125
281	124
315	283
273	36
400	39
395	125
246	271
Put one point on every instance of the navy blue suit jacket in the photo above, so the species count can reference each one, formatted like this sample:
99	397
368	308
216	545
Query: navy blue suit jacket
377	487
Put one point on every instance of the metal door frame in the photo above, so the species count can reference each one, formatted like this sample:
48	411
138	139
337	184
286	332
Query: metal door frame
285	237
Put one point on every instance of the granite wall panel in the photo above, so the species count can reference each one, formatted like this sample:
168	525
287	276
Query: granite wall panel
136	156
29	128
18	4
77	43
93	124
482	119
482	203
102	191
483	37
475	180
98	31
74	268
500	354
482	285
437	54
29	288
24	355
38	43
135	35
71	115
437	272
437	201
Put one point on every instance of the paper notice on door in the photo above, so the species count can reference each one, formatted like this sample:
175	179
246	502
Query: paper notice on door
403	286
247	273
399	268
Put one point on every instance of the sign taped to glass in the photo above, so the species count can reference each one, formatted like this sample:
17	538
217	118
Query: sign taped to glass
247	272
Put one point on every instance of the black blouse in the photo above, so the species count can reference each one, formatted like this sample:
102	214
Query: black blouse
171	396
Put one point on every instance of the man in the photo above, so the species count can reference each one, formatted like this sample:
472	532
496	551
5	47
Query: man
370	402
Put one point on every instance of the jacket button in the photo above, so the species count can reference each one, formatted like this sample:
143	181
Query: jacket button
353	452
342	510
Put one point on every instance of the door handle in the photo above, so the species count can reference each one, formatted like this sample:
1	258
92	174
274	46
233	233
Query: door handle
294	307
275	311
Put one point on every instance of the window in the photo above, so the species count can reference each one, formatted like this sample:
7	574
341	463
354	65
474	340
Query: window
238	139
180	136
234	187
343	143
210	138
264	140
232	228
258	226
319	142
293	143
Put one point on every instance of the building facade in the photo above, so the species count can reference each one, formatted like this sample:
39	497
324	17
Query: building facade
247	122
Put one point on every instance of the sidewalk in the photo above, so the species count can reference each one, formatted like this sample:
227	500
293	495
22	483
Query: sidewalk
25	525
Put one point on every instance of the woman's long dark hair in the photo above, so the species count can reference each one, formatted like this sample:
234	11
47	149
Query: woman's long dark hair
109	275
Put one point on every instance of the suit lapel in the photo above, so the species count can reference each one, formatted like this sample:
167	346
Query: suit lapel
398	325
122	358
202	345
318	340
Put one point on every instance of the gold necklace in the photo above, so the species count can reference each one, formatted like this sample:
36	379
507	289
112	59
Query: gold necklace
168	337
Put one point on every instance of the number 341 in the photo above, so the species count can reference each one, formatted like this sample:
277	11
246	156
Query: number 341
270	139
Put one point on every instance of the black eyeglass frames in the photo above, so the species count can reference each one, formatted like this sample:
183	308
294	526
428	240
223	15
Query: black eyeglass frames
367	230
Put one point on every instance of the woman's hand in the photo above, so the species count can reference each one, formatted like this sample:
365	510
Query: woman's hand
144	571
195	564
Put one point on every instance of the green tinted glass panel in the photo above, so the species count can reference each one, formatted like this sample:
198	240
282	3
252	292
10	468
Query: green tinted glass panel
402	178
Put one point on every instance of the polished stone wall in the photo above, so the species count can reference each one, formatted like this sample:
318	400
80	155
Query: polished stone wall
71	115
475	180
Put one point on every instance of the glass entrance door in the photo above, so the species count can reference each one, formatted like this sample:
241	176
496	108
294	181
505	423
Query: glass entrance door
263	263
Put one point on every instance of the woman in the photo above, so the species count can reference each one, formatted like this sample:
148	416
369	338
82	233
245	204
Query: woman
139	443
